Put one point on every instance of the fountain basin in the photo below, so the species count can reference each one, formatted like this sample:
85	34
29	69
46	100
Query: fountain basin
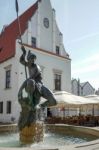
63	129
57	136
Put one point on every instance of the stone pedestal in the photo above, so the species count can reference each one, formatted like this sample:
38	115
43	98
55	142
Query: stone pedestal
32	134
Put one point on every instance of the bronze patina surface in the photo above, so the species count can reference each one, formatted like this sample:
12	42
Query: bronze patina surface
34	87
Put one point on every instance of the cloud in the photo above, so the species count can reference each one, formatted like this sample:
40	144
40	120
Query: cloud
86	69
93	59
95	82
83	38
90	74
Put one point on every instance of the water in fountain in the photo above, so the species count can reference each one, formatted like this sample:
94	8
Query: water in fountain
50	139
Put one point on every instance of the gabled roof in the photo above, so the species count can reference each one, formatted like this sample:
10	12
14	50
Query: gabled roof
84	83
11	33
77	81
74	80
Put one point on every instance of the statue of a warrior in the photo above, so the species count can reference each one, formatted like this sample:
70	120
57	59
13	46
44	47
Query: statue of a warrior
34	89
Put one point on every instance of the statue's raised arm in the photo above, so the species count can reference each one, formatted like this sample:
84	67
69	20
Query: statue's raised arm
22	58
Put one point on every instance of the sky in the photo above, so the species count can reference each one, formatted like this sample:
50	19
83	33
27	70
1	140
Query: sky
78	20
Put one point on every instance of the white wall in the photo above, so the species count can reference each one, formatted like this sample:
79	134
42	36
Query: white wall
84	90
50	63
11	93
45	40
45	11
74	87
88	90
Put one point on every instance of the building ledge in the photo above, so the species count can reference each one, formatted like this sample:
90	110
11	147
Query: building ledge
45	51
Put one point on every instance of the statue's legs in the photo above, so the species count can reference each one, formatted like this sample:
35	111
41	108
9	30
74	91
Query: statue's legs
31	130
47	94
33	133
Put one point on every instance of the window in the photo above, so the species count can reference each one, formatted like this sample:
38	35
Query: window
8	76
33	41
8	107
1	107
57	81
57	50
8	79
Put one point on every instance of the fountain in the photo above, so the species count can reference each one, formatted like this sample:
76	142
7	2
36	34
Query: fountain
30	128
55	136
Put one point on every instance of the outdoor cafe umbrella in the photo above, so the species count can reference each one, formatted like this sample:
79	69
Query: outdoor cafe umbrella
67	99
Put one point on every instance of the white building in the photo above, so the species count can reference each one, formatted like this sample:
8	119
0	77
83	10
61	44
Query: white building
81	89
41	35
97	92
75	87
87	89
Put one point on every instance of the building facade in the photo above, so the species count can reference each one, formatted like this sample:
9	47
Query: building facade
81	89
40	35
97	92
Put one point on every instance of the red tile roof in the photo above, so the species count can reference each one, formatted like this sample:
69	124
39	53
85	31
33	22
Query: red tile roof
11	33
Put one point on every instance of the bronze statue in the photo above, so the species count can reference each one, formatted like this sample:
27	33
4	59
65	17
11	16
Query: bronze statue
30	130
34	89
